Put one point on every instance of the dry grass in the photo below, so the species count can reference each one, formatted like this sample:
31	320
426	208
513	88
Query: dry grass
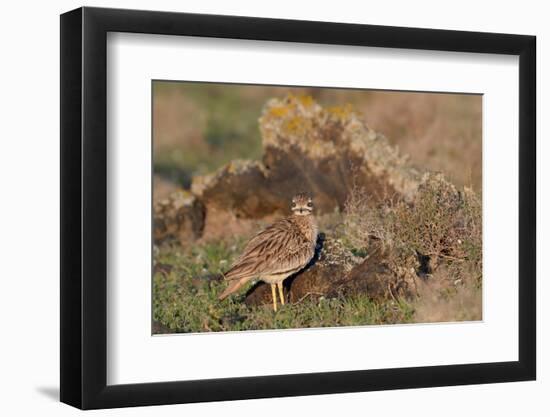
440	301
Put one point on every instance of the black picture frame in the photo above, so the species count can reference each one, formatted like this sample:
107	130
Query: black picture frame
84	207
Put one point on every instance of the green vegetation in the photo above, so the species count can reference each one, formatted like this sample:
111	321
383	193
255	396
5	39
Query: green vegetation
187	282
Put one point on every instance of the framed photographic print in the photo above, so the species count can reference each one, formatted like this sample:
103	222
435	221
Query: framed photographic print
257	208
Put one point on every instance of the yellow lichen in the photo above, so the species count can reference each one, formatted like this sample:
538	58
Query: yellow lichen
306	101
295	125
278	111
341	113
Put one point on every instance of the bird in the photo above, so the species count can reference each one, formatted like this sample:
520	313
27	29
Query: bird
278	251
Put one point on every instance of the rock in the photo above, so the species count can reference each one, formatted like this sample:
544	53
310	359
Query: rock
330	265
179	216
315	282
240	187
325	151
378	278
335	272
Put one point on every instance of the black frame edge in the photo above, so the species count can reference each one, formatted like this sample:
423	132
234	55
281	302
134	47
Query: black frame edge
305	31
83	208
70	219
527	206
232	389
94	208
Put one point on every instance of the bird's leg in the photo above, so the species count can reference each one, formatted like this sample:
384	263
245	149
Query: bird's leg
281	293
274	295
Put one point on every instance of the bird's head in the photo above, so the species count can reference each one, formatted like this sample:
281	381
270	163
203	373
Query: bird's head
302	205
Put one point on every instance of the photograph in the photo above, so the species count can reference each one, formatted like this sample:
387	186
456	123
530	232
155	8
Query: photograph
285	207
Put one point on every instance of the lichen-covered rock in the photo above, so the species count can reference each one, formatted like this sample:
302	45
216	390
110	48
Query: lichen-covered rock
179	216
325	151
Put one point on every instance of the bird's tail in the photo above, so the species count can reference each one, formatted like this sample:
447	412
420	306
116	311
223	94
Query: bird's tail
232	287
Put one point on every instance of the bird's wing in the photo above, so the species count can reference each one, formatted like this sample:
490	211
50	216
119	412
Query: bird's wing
277	249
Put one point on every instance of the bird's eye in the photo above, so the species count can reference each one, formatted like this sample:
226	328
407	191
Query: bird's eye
310	204
293	204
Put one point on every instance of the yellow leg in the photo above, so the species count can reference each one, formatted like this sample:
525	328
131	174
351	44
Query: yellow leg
281	294
274	295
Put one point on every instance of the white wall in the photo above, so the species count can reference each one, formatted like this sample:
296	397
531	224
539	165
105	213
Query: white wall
29	207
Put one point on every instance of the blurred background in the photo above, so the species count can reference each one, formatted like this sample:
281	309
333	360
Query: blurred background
198	127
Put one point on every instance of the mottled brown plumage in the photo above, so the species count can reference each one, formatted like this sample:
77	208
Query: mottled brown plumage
280	250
